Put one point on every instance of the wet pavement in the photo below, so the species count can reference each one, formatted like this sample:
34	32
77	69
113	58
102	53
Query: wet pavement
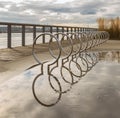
96	95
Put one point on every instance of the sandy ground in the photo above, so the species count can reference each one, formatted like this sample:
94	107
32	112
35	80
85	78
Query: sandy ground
109	45
16	60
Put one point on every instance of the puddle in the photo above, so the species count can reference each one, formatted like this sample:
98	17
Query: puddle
110	56
96	95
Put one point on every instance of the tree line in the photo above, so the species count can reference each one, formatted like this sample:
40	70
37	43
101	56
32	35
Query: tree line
111	25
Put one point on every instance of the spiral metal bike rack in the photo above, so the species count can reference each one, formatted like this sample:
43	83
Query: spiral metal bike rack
72	49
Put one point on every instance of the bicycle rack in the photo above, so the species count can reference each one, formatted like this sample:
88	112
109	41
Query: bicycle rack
72	50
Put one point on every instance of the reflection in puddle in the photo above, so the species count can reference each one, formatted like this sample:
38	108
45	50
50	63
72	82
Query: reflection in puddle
113	56
92	97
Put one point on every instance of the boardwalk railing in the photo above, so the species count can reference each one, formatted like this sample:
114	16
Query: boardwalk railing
9	28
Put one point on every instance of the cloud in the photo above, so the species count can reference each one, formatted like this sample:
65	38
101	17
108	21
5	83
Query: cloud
58	12
91	7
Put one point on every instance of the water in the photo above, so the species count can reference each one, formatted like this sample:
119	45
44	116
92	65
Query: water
97	95
17	39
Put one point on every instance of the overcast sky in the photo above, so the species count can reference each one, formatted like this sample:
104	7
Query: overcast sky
69	12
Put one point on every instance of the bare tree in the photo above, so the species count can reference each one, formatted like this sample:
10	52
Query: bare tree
110	25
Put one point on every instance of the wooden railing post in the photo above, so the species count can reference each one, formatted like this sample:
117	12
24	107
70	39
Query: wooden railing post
75	29
63	32
23	35
75	32
51	29
43	30
34	32
71	29
57	29
62	29
78	29
9	36
67	29
82	29
86	29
